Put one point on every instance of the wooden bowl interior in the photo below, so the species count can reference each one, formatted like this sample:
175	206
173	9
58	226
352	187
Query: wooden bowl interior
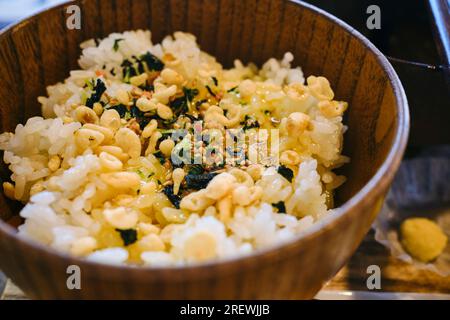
40	51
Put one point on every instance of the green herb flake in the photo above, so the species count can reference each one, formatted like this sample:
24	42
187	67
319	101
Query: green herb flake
83	97
143	175
216	82
127	115
90	84
234	89
166	134
116	44
210	91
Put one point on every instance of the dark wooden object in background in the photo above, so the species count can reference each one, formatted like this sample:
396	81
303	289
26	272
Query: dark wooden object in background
440	13
32	57
407	33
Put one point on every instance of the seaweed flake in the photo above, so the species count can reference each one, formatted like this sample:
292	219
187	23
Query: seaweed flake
159	155
179	105
141	67
200	102
210	91
128	70
175	199
129	236
190	93
196	169
140	117
280	207
286	173
121	109
249	123
199	181
147	87
152	62
116	44
166	134
98	89
169	122
232	89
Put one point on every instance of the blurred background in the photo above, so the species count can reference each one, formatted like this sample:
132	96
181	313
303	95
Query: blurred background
407	32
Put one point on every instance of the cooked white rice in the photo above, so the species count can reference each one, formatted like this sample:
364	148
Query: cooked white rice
101	184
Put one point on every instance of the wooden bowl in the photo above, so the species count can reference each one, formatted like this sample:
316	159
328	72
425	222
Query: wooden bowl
40	51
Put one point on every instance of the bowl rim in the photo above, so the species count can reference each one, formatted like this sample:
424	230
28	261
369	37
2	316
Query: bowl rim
370	191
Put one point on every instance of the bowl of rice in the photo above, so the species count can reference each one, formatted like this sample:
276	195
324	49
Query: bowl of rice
191	149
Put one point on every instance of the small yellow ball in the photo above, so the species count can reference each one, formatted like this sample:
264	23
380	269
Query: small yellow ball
422	238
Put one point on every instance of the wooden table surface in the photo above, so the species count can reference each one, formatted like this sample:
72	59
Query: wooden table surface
397	276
